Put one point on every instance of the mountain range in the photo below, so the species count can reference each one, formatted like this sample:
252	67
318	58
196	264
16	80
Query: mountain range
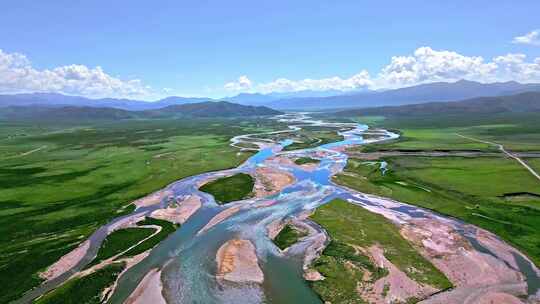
84	113
303	100
432	92
54	99
528	102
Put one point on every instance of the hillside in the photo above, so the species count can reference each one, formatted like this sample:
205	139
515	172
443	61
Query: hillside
63	113
519	103
85	113
53	99
213	109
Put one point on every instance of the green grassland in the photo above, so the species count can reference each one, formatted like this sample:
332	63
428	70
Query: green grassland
229	189
85	175
430	139
516	131
84	290
166	229
349	225
287	237
119	241
471	189
306	160
534	163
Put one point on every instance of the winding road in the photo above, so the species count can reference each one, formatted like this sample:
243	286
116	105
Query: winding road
503	150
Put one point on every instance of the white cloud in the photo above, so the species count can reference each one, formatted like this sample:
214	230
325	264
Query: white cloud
532	38
359	80
514	67
428	65
17	75
242	84
425	65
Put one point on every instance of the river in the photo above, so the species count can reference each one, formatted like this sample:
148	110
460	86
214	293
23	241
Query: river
187	257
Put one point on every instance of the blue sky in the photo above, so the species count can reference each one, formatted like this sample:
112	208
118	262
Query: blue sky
198	47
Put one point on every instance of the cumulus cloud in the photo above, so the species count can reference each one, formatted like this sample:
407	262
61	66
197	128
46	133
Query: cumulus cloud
356	81
242	84
515	67
425	65
360	80
532	38
17	75
428	65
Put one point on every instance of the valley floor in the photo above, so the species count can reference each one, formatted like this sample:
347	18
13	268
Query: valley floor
341	235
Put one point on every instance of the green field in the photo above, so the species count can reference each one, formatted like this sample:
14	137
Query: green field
287	237
349	225
516	131
166	229
231	188
431	139
84	290
534	163
82	176
470	189
119	241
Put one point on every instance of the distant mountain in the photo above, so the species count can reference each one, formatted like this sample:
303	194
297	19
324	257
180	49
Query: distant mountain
519	103
301	100
54	100
77	113
251	98
213	109
175	100
258	98
432	92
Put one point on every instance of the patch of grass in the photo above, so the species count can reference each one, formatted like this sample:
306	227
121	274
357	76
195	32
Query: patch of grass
471	189
305	139
288	236
355	226
534	163
306	160
339	285
84	290
166	229
119	241
231	188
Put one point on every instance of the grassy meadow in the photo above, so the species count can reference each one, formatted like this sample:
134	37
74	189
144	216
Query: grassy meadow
516	131
119	241
84	290
348	226
287	237
471	189
166	229
231	188
60	182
